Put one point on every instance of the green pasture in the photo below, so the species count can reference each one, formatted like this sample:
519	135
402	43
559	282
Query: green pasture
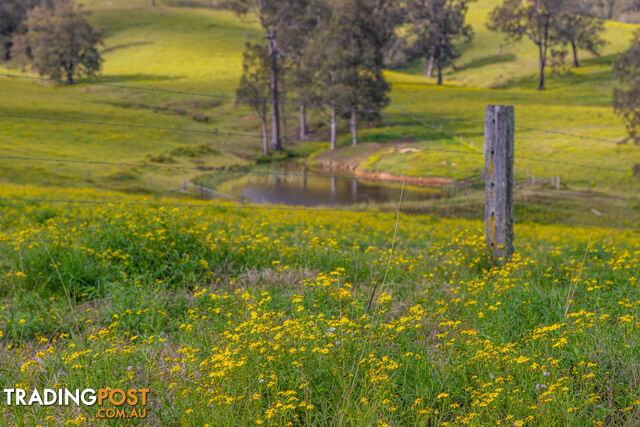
198	49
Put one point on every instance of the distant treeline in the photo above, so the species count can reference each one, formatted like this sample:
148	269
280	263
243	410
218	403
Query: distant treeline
331	53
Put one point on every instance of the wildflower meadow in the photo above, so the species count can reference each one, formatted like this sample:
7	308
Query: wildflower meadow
268	316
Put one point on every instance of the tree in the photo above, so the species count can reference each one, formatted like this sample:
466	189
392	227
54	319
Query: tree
62	42
608	8
316	20
12	15
535	19
578	29
360	37
626	96
19	51
438	26
344	62
276	17
322	65
253	89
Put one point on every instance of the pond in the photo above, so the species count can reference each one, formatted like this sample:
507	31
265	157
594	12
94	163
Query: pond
299	186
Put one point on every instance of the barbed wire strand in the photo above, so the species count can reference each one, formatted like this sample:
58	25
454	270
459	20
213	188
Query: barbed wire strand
204	205
308	105
211	169
191	93
129	125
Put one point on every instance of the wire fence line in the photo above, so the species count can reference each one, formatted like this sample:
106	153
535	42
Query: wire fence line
420	119
225	133
205	168
312	106
128	125
423	209
424	120
579	165
376	211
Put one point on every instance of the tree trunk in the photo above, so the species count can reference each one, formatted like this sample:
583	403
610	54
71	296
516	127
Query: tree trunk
333	128
543	63
69	72
265	136
439	74
430	67
284	124
576	61
303	123
611	5
276	141
354	125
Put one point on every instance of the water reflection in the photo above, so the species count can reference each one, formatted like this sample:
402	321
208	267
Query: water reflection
313	188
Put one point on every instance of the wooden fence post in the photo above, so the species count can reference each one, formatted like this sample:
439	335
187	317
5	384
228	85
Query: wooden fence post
499	165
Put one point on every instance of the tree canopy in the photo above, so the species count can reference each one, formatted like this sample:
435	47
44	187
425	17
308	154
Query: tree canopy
62	42
253	88
533	19
12	15
437	28
626	96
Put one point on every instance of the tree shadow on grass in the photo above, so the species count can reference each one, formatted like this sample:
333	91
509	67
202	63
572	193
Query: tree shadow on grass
484	61
565	77
128	78
124	46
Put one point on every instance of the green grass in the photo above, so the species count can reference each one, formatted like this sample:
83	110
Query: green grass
577	101
246	315
200	49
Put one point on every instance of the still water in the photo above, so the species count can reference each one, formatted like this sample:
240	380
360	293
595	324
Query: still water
298	186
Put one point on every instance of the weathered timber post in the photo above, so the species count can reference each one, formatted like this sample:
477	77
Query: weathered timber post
558	182
499	165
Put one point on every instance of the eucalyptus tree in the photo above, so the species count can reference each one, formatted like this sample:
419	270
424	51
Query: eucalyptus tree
626	96
253	89
536	20
277	18
577	28
63	44
345	61
438	27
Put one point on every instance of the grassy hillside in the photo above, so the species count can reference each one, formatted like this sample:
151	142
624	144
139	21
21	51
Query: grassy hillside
241	315
577	101
174	48
232	319
199	49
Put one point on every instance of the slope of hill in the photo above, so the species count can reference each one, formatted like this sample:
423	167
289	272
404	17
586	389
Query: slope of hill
200	50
